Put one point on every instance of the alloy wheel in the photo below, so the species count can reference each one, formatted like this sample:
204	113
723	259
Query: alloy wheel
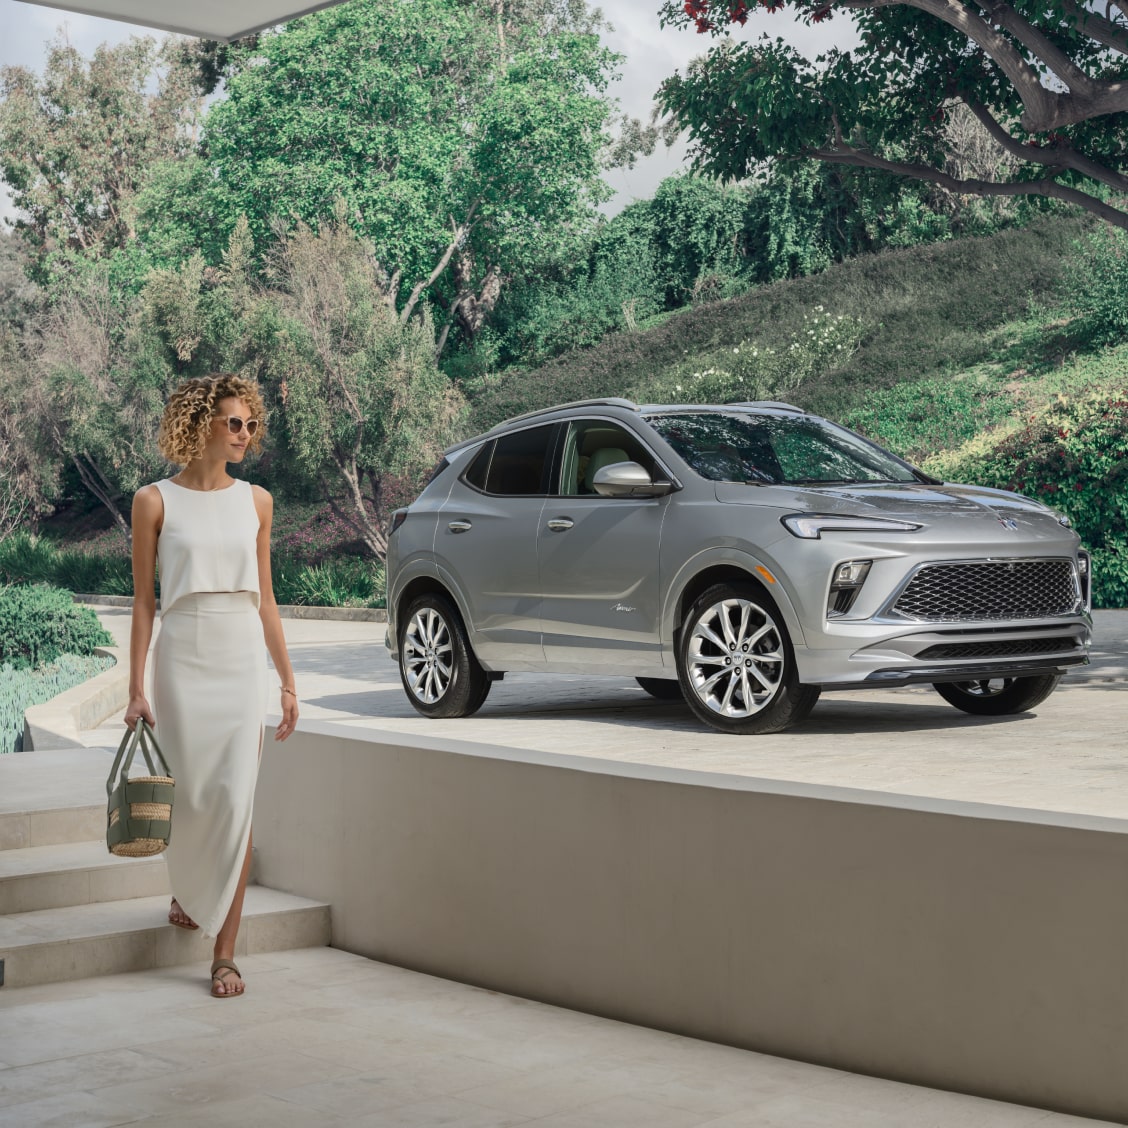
427	655
735	658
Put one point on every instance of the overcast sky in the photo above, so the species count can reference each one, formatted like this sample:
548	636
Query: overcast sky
651	53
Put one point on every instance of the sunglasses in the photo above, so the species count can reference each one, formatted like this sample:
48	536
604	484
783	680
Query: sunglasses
235	424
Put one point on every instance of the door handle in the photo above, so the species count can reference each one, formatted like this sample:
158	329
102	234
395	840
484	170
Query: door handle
460	526
560	524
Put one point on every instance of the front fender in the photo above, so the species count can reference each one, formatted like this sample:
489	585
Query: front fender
730	557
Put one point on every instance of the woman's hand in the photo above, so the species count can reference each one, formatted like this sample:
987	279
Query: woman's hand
138	709
289	715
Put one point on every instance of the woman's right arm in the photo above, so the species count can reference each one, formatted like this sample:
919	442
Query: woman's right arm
148	512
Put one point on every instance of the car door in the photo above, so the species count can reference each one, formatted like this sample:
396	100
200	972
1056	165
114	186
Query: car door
598	557
486	542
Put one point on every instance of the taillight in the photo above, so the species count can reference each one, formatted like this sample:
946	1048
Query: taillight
398	518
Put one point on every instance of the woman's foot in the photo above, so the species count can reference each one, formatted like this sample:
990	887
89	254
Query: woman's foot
226	980
177	916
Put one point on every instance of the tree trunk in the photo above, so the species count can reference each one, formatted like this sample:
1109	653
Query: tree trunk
360	519
94	480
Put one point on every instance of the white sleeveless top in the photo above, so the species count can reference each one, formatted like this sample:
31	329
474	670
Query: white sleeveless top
207	541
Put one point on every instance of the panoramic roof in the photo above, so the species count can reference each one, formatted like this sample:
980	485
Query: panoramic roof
209	19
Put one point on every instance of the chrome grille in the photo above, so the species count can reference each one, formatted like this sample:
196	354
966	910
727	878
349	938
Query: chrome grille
978	590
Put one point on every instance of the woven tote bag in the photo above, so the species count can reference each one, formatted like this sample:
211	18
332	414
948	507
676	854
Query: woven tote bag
139	814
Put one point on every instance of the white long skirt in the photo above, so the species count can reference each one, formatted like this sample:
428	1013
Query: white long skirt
209	700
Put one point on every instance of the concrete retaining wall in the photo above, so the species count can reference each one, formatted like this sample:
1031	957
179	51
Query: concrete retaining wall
967	947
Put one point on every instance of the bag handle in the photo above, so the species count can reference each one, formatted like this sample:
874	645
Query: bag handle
141	735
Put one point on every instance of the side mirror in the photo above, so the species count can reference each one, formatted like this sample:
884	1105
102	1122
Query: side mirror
627	479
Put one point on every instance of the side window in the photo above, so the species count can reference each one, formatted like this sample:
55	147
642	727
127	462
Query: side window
591	444
479	467
517	466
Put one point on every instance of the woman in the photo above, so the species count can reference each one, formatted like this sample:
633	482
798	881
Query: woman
210	534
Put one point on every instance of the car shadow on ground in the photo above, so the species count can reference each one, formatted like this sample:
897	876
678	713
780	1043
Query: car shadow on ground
835	714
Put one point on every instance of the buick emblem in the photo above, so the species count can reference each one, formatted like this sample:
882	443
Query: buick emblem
1008	523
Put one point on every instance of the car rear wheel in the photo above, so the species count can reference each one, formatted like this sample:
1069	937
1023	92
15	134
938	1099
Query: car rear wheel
736	664
997	697
440	674
665	689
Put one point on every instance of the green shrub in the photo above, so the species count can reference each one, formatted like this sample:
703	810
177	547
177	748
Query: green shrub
919	418
750	370
22	688
332	583
1098	288
28	559
1071	453
39	623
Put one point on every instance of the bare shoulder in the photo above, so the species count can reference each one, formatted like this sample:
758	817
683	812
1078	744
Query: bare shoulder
264	503
147	501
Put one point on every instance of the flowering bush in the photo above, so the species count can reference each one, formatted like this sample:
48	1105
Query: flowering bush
750	371
1071	453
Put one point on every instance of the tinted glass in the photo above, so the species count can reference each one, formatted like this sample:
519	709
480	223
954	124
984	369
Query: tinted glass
591	444
478	469
776	449
517	466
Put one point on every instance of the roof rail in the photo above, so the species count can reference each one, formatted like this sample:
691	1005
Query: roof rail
610	401
770	403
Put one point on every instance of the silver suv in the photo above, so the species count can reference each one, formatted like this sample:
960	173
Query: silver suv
744	557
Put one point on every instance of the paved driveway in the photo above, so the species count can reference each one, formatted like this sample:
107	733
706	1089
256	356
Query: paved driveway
1072	755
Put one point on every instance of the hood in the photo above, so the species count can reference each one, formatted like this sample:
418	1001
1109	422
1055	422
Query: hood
937	506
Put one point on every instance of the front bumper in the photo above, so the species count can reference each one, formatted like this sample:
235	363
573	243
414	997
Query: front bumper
856	659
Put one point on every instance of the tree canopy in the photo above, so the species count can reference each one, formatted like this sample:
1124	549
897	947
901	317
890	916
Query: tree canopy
1047	79
464	138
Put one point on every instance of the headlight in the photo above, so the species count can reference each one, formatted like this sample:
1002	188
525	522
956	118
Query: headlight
811	526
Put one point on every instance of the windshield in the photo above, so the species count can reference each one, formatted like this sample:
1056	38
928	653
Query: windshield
775	449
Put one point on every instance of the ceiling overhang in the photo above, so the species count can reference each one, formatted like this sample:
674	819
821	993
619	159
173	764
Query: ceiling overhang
208	19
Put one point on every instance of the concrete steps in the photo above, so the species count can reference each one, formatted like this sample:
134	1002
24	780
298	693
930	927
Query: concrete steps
74	873
70	910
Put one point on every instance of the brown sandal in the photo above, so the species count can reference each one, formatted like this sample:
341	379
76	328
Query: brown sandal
217	970
191	925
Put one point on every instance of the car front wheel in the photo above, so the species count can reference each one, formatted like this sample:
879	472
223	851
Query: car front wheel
997	697
736	664
440	673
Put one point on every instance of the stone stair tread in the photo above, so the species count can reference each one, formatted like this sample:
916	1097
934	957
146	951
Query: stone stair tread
64	856
110	918
54	780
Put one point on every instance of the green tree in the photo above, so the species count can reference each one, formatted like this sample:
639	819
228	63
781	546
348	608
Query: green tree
464	138
1047	81
76	143
365	407
94	390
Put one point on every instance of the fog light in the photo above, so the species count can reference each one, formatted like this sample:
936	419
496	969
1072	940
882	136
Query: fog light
845	584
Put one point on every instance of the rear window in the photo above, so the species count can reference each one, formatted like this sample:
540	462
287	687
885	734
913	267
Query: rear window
513	465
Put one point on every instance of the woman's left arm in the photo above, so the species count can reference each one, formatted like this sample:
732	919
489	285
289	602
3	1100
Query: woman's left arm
271	620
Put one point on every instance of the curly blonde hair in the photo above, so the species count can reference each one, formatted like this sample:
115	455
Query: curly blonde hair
186	423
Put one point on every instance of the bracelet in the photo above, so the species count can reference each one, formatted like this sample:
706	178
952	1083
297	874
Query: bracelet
287	689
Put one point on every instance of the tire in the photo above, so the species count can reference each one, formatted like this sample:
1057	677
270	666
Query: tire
998	697
432	631
761	696
665	689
